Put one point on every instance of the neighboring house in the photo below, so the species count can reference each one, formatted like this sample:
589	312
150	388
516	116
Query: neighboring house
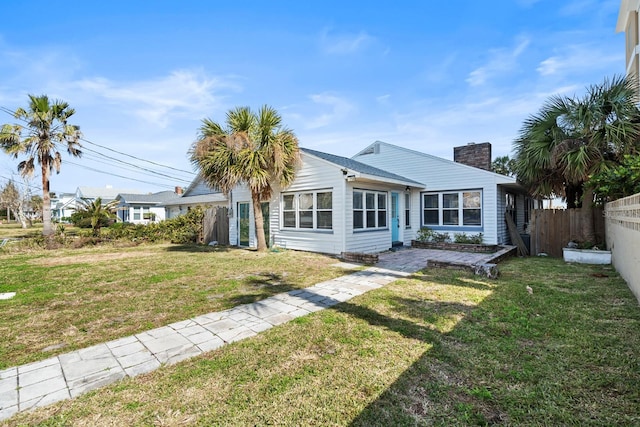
197	194
144	208
106	194
380	198
628	23
63	205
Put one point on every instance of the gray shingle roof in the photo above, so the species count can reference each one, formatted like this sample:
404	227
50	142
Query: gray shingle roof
153	198
202	199
357	166
105	193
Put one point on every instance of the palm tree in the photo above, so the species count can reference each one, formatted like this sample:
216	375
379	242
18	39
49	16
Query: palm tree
97	212
253	149
571	139
503	165
45	126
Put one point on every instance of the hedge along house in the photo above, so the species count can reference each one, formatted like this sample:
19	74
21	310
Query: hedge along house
379	199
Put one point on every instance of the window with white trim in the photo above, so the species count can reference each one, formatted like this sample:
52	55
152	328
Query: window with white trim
452	208
369	209
407	210
308	210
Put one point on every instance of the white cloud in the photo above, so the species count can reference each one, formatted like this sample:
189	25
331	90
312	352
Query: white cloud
383	99
500	61
578	58
339	108
180	93
344	44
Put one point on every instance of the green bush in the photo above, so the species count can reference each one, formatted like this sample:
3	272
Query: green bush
425	234
183	229
475	239
82	219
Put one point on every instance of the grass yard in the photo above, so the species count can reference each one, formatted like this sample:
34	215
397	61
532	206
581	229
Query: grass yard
15	230
73	298
440	348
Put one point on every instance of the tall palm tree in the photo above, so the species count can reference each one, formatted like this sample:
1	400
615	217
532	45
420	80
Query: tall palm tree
252	149
571	139
97	212
44	127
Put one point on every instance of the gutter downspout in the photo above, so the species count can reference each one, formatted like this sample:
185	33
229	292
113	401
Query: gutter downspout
344	217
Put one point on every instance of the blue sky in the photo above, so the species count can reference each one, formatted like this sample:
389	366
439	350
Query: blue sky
423	75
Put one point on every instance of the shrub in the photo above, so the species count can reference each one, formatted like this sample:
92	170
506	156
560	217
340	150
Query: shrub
475	239
183	229
425	234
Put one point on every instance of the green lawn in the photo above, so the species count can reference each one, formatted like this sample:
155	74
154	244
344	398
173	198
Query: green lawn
73	298
439	348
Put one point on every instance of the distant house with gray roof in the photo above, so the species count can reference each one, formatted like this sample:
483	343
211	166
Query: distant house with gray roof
106	194
144	208
199	193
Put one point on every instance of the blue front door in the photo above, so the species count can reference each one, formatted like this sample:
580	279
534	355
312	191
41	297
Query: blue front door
395	218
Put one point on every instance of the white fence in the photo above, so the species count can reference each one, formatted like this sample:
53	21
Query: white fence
622	222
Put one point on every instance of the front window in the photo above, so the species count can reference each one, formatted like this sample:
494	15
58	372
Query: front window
369	209
452	208
407	210
308	210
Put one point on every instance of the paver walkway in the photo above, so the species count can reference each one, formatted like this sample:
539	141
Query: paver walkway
72	374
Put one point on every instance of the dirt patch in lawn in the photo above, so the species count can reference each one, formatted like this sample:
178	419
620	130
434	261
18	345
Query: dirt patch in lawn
89	258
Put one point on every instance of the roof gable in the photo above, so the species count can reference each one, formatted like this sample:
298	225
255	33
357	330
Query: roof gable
356	166
153	198
380	148
105	193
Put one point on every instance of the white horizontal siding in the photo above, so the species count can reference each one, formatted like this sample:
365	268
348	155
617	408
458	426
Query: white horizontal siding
315	174
440	175
199	188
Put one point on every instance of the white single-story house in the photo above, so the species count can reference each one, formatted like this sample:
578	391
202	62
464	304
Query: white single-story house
144	208
380	198
63	205
197	194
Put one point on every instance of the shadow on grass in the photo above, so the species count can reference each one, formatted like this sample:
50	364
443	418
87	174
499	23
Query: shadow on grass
451	277
550	369
265	284
196	248
434	388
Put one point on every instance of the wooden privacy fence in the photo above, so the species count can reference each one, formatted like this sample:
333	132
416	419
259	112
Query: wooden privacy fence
552	229
215	225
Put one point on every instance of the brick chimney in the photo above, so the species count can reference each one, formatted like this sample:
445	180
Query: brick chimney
178	190
472	154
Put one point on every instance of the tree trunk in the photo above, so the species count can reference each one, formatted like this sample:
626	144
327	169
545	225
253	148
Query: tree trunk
588	230
259	221
47	229
18	214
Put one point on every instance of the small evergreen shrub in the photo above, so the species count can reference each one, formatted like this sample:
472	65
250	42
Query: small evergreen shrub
474	239
425	234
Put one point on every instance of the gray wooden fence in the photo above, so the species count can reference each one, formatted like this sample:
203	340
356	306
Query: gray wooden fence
552	229
215	225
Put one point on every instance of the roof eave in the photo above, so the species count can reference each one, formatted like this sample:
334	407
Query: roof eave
377	179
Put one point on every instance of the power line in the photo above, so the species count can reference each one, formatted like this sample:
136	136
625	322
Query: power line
119	176
129	164
138	158
189	173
